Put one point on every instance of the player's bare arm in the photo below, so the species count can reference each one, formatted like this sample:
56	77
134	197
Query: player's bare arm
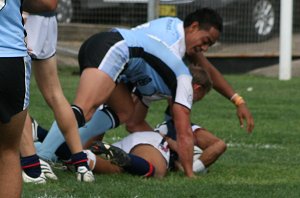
36	6
224	88
181	117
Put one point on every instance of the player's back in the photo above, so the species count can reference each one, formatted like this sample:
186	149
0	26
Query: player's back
169	30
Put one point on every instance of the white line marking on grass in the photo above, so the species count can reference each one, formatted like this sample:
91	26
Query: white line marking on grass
258	146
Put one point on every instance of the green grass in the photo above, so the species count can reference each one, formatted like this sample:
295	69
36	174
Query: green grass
262	164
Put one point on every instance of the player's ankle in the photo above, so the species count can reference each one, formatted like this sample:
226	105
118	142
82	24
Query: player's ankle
80	159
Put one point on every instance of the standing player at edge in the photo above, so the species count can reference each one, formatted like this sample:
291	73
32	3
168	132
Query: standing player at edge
14	89
41	40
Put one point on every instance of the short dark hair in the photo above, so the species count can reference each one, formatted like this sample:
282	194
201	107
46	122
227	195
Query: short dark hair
206	17
201	77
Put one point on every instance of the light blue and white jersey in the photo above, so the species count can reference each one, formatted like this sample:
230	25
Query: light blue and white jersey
12	42
169	30
155	70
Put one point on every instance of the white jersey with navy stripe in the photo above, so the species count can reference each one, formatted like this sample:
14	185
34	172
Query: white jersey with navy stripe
155	70
11	30
169	30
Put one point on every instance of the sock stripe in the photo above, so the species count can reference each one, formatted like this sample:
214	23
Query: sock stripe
31	165
151	170
80	161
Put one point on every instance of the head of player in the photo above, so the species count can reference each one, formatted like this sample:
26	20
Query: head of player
201	82
202	29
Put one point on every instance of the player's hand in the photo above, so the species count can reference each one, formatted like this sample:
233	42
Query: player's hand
243	113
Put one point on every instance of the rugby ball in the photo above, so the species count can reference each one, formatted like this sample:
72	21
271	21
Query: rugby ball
197	164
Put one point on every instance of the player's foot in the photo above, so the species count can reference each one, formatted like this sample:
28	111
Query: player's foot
116	155
39	180
85	175
47	170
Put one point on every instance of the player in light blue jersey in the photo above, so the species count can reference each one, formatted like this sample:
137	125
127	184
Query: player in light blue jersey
14	89
177	35
151	67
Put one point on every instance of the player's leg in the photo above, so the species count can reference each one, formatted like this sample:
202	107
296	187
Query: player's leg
32	172
116	156
137	121
95	87
14	100
104	166
49	85
42	38
48	82
212	146
106	118
153	157
10	169
101	121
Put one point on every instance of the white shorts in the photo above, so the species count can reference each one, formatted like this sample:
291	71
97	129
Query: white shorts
147	137
41	36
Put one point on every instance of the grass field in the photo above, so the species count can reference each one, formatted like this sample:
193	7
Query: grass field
263	164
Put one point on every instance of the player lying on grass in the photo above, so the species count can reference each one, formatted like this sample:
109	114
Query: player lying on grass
149	153
145	154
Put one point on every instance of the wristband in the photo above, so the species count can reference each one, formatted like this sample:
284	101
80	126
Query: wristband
237	99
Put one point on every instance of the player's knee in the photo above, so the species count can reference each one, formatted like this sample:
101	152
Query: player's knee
221	145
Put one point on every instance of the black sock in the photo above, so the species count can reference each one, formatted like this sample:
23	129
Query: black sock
140	166
80	159
41	133
31	166
63	152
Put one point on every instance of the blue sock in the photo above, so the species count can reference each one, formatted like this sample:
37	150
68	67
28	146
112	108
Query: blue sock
101	121
139	166
52	141
31	166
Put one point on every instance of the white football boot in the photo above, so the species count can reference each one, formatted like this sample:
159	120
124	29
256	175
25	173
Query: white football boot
47	170
39	180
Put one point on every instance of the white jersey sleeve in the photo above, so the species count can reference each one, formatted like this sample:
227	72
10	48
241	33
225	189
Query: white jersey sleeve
184	91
